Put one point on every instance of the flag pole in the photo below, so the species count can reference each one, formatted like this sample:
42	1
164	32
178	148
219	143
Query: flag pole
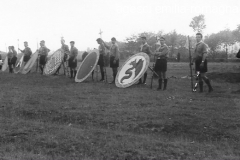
190	63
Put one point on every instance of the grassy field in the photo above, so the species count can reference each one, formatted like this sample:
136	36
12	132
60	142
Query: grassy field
54	118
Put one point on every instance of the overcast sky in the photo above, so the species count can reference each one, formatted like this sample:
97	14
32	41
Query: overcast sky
81	20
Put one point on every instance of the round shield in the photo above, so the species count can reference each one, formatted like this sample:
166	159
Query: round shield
5	64
19	65
87	66
54	62
132	70
28	66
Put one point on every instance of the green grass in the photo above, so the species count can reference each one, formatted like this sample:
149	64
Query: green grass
53	117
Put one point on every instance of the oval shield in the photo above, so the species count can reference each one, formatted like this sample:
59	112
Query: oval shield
28	66
132	70
19	65
54	62
87	66
5	64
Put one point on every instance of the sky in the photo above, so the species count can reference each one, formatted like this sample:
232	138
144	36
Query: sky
81	20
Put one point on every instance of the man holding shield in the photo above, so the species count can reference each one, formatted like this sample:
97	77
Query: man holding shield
43	53
66	51
146	49
27	53
114	57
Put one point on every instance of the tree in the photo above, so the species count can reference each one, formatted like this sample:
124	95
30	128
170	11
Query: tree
213	41
198	23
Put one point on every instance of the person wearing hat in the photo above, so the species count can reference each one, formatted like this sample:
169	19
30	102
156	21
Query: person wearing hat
114	57
102	52
43	53
27	53
146	49
66	51
72	61
161	63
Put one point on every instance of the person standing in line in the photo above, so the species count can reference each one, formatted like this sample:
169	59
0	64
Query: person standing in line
43	53
27	53
161	63
146	49
114	57
72	61
200	59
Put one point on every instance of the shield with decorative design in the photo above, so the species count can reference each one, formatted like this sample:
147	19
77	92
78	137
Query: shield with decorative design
54	62
132	70
28	66
87	66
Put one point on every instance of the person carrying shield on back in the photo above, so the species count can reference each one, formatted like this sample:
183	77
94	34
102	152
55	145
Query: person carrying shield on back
102	52
65	48
161	63
27	53
146	49
72	61
200	54
114	57
43	53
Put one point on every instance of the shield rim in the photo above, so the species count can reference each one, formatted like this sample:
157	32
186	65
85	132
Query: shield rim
5	64
24	68
21	62
145	69
45	68
95	64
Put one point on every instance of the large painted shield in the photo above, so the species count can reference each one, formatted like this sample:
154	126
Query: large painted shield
132	70
19	65
5	64
28	66
54	62
87	66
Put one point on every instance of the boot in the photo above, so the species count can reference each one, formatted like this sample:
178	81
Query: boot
201	86
75	73
210	89
144	78
165	84
102	74
113	79
71	74
159	84
41	68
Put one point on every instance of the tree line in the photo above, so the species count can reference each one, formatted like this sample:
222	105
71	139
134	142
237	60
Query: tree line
221	45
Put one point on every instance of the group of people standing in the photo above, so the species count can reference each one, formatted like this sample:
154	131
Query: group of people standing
160	57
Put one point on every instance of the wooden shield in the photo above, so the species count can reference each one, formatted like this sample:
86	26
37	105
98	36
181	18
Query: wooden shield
19	65
28	66
87	66
132	70
54	62
5	64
